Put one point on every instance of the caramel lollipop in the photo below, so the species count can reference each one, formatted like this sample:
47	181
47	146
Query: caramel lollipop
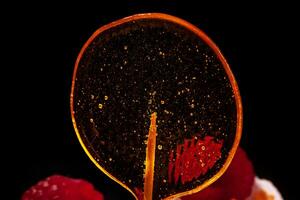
155	106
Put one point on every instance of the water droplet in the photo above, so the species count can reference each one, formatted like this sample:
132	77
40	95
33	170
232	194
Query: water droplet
159	147
54	187
45	184
100	106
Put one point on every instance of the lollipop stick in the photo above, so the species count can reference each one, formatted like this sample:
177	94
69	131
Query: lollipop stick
150	158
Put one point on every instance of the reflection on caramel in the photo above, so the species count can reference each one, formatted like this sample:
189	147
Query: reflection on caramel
193	158
150	158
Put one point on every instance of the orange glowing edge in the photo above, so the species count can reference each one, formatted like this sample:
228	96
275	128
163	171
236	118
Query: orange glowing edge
232	80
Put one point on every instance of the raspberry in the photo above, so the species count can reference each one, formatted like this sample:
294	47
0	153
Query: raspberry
236	182
58	187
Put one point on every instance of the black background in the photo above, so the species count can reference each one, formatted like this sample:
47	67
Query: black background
42	45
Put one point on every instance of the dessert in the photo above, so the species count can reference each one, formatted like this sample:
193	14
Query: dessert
62	188
155	106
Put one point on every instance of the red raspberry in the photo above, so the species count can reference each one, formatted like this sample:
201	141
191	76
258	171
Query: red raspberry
58	187
236	183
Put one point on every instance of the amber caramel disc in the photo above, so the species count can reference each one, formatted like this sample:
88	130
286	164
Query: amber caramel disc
155	106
